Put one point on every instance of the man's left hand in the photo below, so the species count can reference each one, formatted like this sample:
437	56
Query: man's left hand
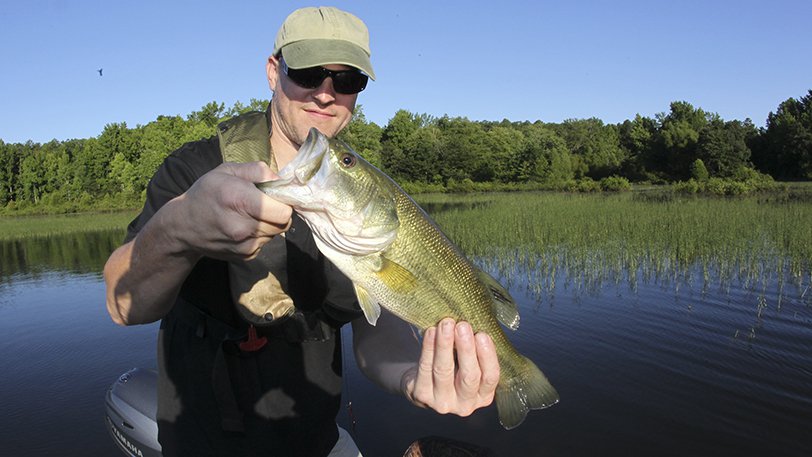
452	386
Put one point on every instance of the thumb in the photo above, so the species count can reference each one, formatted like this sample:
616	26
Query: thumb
252	171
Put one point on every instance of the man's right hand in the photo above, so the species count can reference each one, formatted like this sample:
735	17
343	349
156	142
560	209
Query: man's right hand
224	216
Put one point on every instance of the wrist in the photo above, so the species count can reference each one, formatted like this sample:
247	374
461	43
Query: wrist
167	231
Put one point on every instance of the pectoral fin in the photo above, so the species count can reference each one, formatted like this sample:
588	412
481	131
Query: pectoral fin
504	307
396	277
370	307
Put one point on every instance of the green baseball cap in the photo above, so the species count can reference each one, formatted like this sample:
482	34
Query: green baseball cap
312	37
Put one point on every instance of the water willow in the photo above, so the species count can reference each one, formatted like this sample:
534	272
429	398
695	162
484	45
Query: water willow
595	238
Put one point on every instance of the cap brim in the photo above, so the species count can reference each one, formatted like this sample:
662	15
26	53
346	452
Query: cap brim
316	52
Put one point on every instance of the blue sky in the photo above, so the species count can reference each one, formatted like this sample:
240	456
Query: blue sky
516	60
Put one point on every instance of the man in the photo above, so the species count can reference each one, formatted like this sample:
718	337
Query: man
234	381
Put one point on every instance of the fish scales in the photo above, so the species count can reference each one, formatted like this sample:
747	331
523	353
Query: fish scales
446	278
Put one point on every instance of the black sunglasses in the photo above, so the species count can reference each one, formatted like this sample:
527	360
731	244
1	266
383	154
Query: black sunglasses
346	82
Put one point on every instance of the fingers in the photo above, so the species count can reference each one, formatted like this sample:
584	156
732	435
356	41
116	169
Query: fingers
489	365
423	392
457	372
468	377
273	216
226	216
254	172
443	371
270	218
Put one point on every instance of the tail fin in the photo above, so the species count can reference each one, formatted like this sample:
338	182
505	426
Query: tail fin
528	389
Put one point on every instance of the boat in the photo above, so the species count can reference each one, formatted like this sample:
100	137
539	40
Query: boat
131	404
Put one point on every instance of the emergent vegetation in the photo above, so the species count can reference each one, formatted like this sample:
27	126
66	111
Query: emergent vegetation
636	236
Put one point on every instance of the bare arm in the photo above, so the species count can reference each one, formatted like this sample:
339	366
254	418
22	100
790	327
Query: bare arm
386	351
427	374
144	276
223	215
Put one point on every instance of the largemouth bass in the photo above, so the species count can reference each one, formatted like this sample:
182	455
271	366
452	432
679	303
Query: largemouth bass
397	257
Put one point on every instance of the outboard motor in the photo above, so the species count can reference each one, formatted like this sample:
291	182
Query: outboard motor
131	405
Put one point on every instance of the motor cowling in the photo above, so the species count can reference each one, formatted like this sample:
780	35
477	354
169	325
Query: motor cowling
131	404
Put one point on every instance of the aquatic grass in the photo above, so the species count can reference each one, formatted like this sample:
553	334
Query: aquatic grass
622	237
584	240
20	227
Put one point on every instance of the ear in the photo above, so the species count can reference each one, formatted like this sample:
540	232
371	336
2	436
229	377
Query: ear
272	70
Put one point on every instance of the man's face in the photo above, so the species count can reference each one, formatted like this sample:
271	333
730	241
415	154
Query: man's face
296	109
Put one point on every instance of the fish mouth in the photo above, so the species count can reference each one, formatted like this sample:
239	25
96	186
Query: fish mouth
350	222
293	185
308	160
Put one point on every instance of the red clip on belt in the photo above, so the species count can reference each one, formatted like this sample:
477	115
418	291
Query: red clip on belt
252	343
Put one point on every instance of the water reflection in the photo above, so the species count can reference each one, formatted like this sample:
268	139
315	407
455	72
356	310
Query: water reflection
754	288
59	347
437	207
75	253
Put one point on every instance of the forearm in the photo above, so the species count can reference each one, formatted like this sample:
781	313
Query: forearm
387	351
143	277
222	215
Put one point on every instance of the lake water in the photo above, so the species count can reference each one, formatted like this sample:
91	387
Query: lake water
676	366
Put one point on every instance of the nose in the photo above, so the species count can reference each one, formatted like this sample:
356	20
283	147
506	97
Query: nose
325	93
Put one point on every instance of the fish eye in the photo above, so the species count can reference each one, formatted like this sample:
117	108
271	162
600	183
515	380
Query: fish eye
348	160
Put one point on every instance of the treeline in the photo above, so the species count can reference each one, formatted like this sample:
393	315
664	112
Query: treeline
687	145
110	171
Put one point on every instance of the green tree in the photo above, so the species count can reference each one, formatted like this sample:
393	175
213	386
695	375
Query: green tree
70	184
421	155
502	143
463	147
94	163
95	159
543	157
698	171
33	177
364	137
58	170
722	147
786	144
9	170
158	139
394	141
123	173
19	152
635	137
238	108
209	115
677	139
595	144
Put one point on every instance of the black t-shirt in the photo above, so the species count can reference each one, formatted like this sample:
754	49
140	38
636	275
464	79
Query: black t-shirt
288	393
